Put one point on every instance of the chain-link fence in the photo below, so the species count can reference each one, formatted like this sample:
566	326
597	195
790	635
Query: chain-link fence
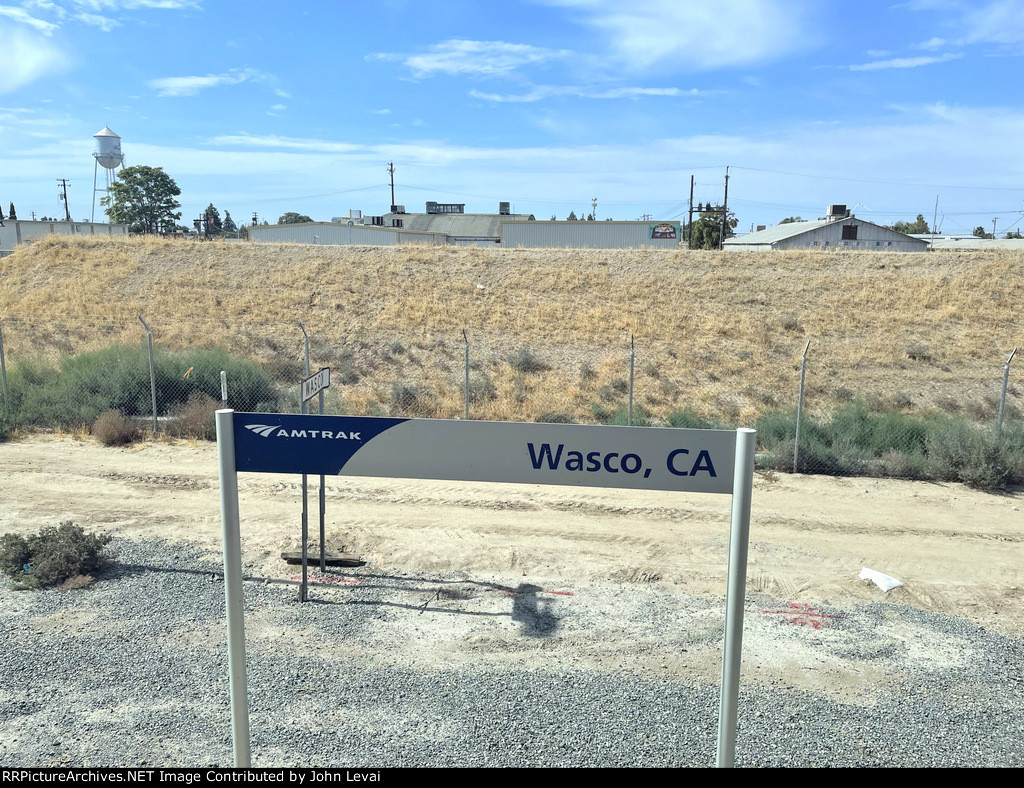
819	407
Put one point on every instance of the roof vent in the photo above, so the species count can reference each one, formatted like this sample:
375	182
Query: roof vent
837	212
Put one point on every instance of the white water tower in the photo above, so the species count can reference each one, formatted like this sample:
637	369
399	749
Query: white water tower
108	156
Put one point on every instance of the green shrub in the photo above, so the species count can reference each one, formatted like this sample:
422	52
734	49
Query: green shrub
859	440
113	429
117	378
620	416
6	428
52	556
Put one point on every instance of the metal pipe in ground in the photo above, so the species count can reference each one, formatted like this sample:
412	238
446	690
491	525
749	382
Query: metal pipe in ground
629	415
799	409
1002	397
3	373
466	340
152	372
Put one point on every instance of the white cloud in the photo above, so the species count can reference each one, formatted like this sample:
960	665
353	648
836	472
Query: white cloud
25	57
931	43
907	62
25	18
104	23
1000	22
695	34
189	86
541	92
292	143
458	57
114	5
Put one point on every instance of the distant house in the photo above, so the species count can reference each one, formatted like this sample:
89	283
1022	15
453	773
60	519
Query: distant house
839	230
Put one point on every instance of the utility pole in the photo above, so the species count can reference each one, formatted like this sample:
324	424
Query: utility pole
725	210
64	197
391	172
254	220
935	216
689	227
593	207
994	226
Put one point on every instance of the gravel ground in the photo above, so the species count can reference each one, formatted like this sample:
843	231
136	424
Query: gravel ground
132	671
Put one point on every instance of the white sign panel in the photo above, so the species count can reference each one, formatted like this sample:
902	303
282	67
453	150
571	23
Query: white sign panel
641	458
314	384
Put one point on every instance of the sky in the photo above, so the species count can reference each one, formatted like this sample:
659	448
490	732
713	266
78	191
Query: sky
892	108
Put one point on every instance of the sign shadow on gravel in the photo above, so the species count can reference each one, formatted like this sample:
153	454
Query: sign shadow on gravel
533	614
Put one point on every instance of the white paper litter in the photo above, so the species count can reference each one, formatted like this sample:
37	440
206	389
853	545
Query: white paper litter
883	581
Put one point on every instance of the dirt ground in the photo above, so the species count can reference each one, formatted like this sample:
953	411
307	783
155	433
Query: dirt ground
608	557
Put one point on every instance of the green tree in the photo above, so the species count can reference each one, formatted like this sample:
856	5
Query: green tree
571	217
143	198
706	232
1014	234
229	223
979	232
293	218
213	223
791	219
919	226
12	214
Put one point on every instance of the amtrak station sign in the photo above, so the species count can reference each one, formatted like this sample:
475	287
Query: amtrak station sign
638	458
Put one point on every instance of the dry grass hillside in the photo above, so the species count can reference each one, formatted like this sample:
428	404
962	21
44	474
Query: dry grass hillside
719	333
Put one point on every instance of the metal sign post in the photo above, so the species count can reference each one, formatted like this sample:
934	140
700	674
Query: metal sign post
708	461
311	387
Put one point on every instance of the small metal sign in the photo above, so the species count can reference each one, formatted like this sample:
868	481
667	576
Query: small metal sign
314	384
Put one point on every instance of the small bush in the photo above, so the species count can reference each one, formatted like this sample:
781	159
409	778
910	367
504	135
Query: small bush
620	416
195	419
481	389
52	556
525	362
6	428
113	429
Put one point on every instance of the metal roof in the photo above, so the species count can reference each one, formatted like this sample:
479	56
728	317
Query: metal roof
457	225
781	232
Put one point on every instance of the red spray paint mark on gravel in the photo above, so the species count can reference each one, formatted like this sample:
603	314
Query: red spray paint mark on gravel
802	615
326	579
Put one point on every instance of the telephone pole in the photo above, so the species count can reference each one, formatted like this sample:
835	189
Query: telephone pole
689	227
391	172
725	210
64	197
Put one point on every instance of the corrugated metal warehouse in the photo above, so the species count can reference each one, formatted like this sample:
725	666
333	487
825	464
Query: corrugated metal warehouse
16	231
591	235
839	230
330	233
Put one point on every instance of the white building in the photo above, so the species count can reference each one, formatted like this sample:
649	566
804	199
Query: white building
839	230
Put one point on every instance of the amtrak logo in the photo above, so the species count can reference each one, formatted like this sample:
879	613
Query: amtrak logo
277	431
262	429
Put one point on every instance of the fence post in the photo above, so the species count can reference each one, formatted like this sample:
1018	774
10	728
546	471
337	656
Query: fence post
1002	397
800	408
3	372
224	389
466	340
152	374
629	415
